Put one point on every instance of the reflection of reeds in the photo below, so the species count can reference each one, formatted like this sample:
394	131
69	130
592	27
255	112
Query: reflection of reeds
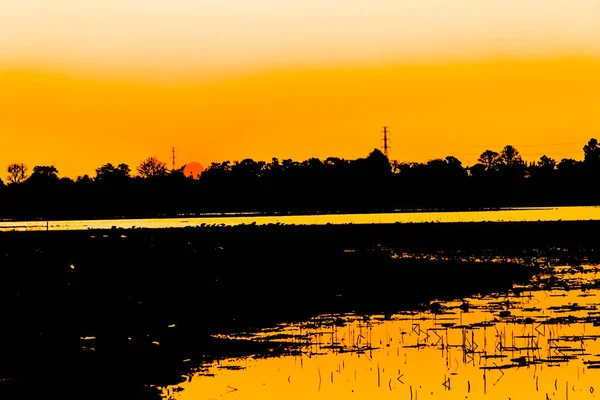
519	345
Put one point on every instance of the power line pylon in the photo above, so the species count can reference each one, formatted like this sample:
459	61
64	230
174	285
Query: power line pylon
386	141
173	158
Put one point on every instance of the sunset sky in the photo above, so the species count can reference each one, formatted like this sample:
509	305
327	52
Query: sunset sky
83	83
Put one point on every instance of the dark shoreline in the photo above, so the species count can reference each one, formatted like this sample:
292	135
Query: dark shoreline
425	235
116	284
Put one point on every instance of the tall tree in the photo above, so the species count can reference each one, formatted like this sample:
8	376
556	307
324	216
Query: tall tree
152	167
591	152
17	173
510	156
490	159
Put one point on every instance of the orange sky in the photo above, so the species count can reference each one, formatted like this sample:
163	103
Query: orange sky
81	85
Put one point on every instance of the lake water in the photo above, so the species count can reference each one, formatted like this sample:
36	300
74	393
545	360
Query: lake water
538	341
503	215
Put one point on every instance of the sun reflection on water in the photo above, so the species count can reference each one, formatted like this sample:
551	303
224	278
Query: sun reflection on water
536	341
523	214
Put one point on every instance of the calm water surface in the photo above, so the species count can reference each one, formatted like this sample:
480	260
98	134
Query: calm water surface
515	214
540	341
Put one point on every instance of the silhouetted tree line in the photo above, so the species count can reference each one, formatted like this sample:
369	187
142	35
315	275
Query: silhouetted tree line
499	179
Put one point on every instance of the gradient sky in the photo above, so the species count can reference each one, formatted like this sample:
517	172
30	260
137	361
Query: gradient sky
84	83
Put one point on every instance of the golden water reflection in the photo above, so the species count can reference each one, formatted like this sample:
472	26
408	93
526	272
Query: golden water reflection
540	341
580	213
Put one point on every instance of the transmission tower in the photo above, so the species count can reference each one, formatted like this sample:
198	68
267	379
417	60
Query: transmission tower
173	158
386	141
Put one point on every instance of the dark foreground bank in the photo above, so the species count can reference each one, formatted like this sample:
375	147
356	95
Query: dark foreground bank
93	314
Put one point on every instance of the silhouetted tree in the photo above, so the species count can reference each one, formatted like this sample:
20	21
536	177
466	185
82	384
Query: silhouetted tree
17	173
85	185
152	167
591	153
44	178
451	160
378	163
110	183
66	181
274	165
567	167
85	179
454	167
248	168
411	169
109	172
545	167
44	173
178	172
123	170
312	185
510	156
216	170
313	167
546	163
436	168
490	159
